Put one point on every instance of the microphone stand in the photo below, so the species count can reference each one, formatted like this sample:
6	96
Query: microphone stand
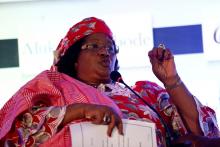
116	77
168	134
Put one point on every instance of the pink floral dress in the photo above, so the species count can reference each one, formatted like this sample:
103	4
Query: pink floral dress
40	123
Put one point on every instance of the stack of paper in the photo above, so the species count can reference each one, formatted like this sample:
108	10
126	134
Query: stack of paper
136	134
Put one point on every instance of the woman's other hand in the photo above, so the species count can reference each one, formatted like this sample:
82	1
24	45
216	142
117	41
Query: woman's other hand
97	114
100	114
163	65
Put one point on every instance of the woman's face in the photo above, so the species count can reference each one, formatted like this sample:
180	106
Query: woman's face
96	59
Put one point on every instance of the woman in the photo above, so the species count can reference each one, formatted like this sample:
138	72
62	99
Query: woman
78	88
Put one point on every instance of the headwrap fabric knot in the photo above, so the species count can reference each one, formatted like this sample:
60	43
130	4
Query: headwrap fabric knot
83	28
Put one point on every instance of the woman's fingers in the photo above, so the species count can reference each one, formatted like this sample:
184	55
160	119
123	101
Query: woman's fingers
159	55
111	126
115	122
120	127
105	115
168	54
162	62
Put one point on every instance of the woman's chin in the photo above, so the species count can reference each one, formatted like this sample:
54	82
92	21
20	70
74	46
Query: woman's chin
105	75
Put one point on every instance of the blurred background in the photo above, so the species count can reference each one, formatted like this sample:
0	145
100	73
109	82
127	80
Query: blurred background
31	29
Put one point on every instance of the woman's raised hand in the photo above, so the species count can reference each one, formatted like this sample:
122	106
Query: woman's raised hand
100	114
163	65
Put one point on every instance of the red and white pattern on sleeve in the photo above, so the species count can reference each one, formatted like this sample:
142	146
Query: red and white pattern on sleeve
35	126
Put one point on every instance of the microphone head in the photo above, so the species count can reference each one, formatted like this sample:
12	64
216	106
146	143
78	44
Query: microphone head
116	76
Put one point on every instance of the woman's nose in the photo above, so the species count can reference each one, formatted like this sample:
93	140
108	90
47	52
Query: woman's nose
104	51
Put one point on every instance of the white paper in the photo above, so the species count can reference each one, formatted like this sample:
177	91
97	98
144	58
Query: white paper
136	134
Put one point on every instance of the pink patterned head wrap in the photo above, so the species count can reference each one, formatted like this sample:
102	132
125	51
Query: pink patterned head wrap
83	28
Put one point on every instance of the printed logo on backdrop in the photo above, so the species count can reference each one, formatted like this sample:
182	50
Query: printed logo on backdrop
36	45
134	39
134	35
35	54
211	37
217	35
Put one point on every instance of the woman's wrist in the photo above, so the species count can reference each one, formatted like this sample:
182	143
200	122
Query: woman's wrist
74	112
172	82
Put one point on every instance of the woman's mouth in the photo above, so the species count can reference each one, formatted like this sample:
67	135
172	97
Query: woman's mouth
106	63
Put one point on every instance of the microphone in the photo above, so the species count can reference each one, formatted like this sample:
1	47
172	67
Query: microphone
116	77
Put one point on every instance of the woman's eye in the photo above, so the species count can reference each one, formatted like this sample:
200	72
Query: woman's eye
95	46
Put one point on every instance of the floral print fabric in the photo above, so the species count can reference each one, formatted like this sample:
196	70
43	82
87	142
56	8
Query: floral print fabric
30	132
134	108
35	126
